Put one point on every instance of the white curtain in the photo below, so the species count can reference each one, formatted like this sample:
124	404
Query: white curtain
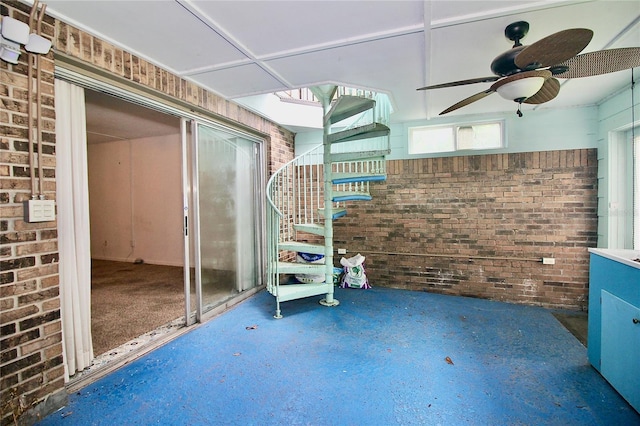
72	193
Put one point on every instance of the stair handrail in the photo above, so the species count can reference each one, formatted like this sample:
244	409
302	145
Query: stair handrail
315	151
299	204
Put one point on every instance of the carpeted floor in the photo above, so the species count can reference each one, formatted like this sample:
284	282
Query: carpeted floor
381	357
128	300
131	299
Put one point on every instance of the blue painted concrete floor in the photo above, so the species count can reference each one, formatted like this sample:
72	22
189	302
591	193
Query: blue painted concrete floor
382	357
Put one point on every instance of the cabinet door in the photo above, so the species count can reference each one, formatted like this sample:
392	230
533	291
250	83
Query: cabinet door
620	351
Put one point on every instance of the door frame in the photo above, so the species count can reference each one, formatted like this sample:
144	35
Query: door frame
89	77
190	143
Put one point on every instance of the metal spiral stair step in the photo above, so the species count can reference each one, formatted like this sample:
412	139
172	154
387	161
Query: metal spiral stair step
335	214
359	155
348	106
288	292
339	196
299	246
301	268
338	178
367	131
311	228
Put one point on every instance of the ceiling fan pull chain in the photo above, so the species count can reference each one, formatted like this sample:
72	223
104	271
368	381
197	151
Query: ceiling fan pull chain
519	111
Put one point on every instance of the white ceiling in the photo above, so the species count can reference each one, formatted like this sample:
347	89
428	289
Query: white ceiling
110	119
242	48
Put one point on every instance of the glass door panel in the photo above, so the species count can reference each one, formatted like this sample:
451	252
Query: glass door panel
228	199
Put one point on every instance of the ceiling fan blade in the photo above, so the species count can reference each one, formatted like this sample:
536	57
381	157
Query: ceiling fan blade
467	101
549	90
462	82
600	62
554	49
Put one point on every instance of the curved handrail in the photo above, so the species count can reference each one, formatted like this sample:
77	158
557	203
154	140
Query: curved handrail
279	171
294	193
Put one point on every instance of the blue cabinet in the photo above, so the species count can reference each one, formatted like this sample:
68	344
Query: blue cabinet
614	320
620	351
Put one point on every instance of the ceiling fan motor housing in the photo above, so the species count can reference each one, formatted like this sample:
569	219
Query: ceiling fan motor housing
505	64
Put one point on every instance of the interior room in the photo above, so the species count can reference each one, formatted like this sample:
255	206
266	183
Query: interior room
479	159
134	179
136	200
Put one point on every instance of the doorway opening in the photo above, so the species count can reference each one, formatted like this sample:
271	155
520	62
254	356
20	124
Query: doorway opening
176	224
135	206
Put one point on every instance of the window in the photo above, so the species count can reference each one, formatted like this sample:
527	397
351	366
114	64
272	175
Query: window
436	139
623	190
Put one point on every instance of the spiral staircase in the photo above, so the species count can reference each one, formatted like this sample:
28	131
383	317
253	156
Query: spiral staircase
307	194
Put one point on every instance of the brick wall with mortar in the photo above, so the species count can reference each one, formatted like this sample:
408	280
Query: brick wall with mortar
31	363
478	225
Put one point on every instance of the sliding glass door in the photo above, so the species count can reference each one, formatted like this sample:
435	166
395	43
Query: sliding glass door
227	199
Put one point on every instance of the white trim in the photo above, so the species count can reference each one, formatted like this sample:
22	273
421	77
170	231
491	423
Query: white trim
620	191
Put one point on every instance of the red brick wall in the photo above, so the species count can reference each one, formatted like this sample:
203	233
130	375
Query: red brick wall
31	362
280	150
30	327
78	44
478	225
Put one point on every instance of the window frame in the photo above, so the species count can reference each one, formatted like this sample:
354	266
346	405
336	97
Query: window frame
413	146
635	185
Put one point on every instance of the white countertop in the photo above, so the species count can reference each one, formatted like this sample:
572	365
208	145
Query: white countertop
619	255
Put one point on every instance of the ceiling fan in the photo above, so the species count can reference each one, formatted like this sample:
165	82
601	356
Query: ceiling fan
529	74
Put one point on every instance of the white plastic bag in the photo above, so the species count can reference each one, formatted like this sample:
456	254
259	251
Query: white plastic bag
354	273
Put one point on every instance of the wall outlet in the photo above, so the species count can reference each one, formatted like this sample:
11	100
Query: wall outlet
342	251
39	211
548	261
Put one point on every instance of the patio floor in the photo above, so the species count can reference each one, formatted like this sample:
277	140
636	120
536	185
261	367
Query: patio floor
381	357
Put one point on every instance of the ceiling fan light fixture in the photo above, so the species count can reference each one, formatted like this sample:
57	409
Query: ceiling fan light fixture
519	90
518	87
